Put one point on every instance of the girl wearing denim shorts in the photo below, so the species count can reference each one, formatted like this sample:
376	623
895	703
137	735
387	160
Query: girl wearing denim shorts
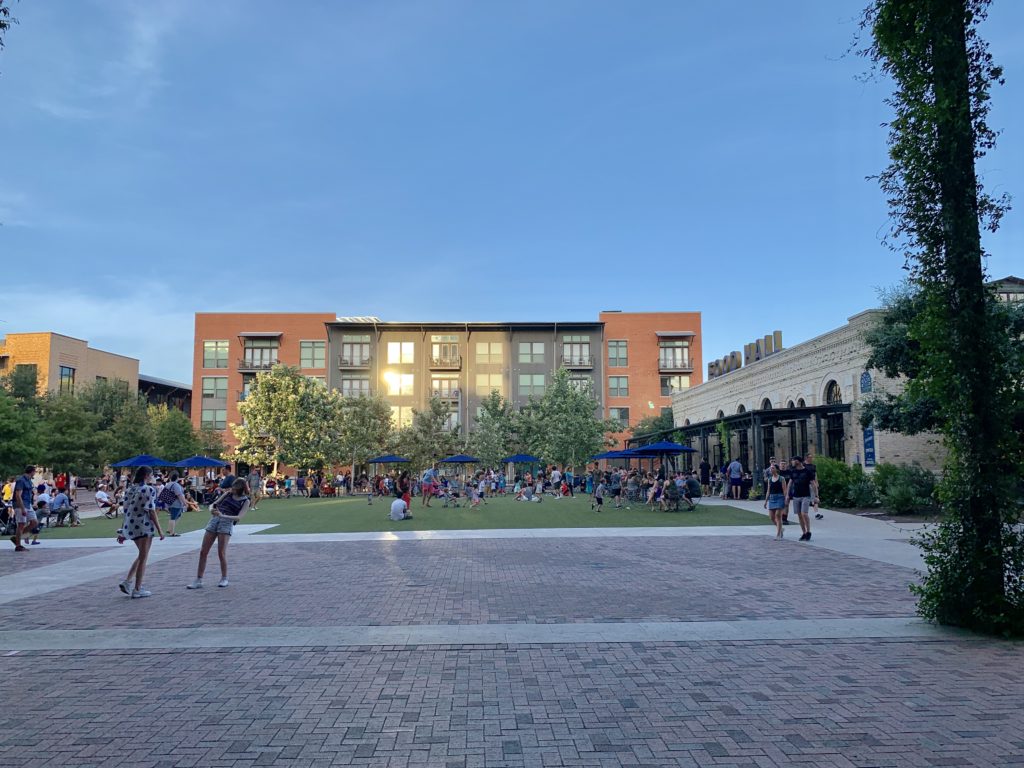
227	510
775	499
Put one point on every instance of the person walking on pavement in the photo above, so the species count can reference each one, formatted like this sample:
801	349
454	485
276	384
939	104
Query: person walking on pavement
228	509
140	525
775	498
799	494
24	513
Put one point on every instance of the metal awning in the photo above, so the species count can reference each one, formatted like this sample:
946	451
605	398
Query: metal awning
674	333
259	334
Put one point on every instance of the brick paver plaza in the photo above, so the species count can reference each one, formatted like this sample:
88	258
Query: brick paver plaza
377	653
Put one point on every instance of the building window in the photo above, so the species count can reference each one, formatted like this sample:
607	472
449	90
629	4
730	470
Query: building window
531	352
451	422
489	382
672	383
355	349
531	384
215	354
401	415
355	386
576	350
215	387
260	353
67	380
401	352
313	354
101	379
674	353
444	386
444	350
399	384
833	394
620	415
617	357
666	411
489	352
618	386
582	384
214	418
321	380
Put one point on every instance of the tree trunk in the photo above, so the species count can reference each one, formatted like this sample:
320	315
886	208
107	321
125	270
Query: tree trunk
961	285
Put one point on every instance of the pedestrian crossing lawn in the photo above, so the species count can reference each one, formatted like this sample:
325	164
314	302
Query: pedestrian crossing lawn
352	514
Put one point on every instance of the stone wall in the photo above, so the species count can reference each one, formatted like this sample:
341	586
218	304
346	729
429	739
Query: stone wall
799	376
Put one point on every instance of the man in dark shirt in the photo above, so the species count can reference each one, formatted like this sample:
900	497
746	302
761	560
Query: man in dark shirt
227	479
705	475
801	480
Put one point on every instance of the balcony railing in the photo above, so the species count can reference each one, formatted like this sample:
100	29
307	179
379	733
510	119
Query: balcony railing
579	361
246	364
674	365
356	392
446	363
446	395
354	362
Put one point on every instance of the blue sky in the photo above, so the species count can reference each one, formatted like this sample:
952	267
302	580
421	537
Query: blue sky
451	160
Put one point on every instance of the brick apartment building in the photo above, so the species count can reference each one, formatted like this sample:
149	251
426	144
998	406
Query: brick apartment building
63	363
631	361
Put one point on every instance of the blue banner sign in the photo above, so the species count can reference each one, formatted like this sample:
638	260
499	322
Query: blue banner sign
869	446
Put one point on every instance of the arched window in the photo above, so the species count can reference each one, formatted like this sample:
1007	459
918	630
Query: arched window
833	394
741	408
766	404
686	422
800	403
721	415
790	404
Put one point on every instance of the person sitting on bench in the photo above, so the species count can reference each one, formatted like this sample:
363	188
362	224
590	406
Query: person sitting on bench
62	507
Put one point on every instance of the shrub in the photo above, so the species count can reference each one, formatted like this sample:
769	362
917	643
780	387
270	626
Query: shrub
905	488
840	485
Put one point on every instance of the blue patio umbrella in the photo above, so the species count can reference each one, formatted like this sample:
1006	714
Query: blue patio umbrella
665	446
461	458
389	458
197	462
145	460
521	458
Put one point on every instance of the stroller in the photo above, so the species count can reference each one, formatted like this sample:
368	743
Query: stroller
449	496
8	527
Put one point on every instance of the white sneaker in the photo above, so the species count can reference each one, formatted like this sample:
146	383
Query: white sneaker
125	587
141	593
197	584
223	583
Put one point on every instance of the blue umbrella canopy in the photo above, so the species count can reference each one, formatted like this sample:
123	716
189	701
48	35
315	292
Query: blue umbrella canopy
145	460
200	461
461	458
665	446
388	459
521	458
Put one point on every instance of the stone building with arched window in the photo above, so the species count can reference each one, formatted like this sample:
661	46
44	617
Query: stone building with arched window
805	398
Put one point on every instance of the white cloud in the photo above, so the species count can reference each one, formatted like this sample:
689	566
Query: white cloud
142	320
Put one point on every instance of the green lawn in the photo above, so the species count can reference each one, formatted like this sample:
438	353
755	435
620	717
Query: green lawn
298	515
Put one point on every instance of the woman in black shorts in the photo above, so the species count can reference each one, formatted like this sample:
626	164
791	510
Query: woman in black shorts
227	510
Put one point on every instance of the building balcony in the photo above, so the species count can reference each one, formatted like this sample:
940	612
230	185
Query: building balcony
578	363
352	363
251	366
447	396
674	366
446	363
356	392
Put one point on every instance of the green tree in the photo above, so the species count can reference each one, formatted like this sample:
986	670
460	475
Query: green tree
20	442
562	426
70	440
23	383
365	430
427	439
173	436
943	74
107	399
130	434
650	425
492	438
211	443
288	418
